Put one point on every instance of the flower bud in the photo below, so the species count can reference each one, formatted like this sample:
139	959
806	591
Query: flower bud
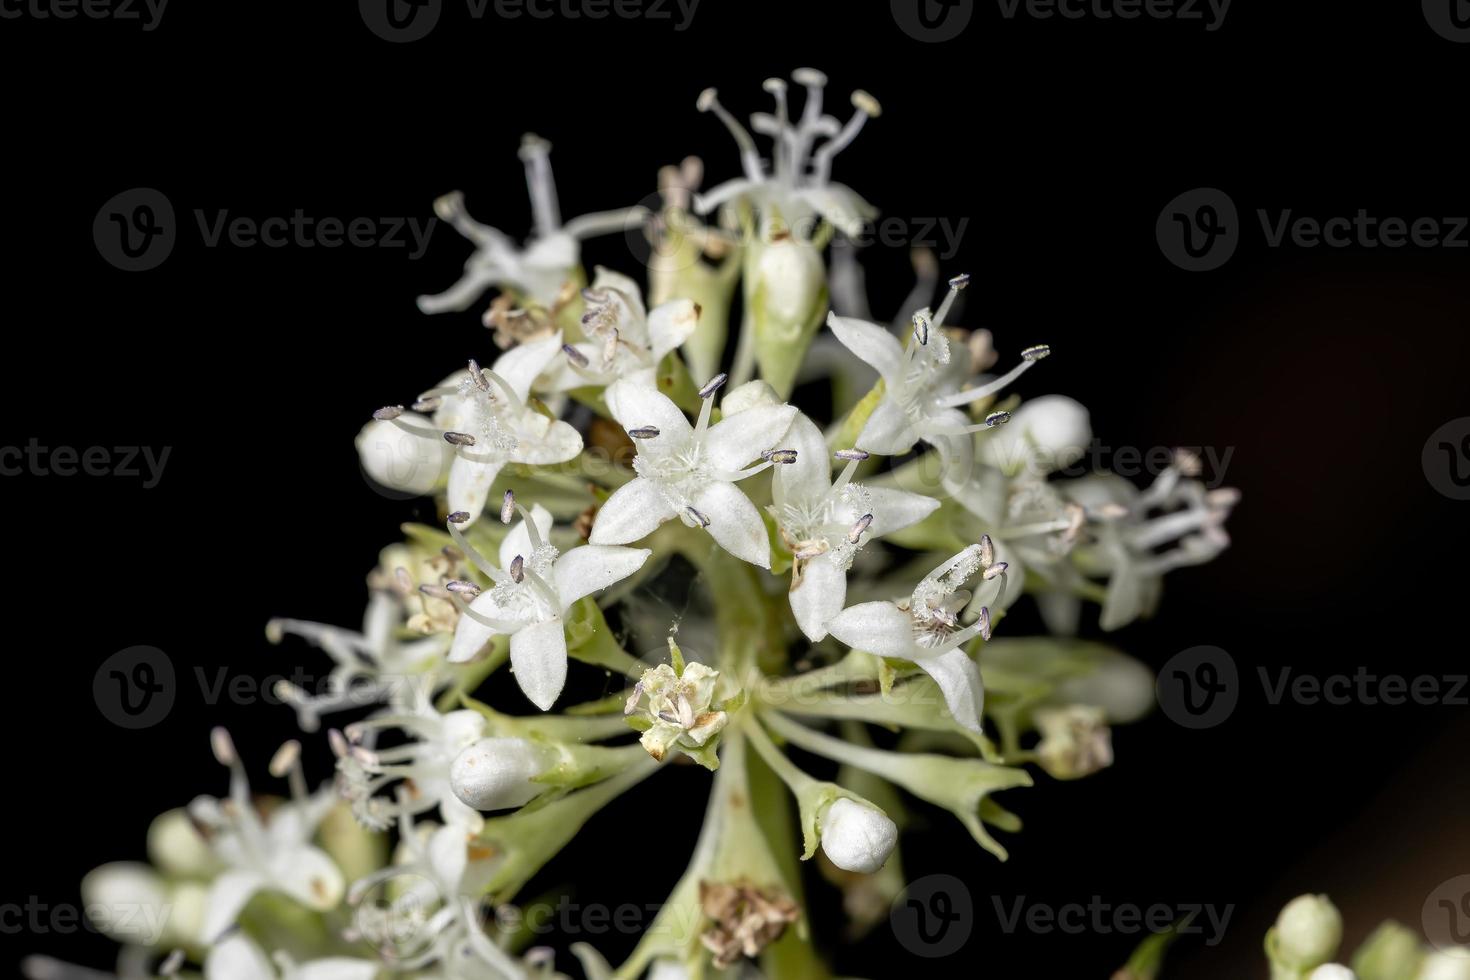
497	773
857	837
126	901
176	847
749	395
402	460
1449	964
1392	952
1045	434
1306	933
1332	971
786	297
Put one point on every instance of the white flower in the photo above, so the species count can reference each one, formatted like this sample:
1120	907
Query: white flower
856	837
690	472
1132	529
679	706
237	957
925	628
260	854
485	415
1332	971
497	773
549	259
826	523
1449	964
134	904
623	339
436	739
799	185
370	666
535	585
925	388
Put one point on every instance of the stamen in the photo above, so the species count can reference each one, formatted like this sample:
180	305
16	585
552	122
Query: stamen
285	758
478	376
171	966
859	528
921	329
507	507
427	404
750	159
459	438
1029	357
987	551
388	413
956	284
984	622
223	747
780	455
852	454
535	153
697	517
713	385
777	88
575	356
518	569
461	587
994	571
644	432
867	108
478	560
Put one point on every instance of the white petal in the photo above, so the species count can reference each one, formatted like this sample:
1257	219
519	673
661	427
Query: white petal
894	510
887	431
810	476
402	460
634	511
469	484
959	679
592	568
734	522
819	597
538	655
307	875
470	635
519	366
518	541
541	441
871	343
841	206
236	957
335	968
636	406
737	440
229	893
604	278
877	627
670	324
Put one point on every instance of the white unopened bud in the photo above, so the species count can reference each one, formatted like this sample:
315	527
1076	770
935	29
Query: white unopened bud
1332	971
748	395
1449	964
856	837
497	773
1306	933
400	459
117	898
1046	434
176	847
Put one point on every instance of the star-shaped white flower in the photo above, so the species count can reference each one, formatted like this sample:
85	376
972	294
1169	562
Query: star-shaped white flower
826	523
486	417
260	854
925	628
549	259
924	387
624	339
238	957
690	472
369	667
535	586
799	186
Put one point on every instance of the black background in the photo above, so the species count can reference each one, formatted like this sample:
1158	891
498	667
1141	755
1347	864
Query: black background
1325	370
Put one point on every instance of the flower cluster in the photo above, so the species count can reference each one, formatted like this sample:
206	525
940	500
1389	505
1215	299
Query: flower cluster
844	560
